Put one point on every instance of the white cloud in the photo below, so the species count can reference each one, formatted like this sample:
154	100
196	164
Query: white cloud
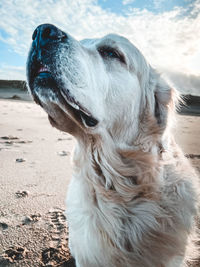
8	72
169	40
127	2
158	3
188	83
193	64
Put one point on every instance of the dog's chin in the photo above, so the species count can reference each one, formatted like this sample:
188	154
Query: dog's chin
65	124
64	111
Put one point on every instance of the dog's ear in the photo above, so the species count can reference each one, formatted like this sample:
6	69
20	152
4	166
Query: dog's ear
165	100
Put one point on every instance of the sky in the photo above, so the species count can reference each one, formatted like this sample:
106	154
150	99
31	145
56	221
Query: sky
167	32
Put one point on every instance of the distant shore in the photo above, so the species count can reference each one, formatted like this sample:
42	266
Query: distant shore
18	90
13	84
14	89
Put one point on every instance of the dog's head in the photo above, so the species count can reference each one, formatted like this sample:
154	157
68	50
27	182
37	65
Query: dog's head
93	86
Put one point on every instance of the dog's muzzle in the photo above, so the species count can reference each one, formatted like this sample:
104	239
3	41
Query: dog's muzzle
42	71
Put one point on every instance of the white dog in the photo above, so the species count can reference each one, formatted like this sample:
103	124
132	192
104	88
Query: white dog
133	197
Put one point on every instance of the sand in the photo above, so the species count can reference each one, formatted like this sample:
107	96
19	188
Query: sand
35	172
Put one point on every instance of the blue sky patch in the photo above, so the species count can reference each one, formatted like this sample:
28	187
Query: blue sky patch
155	6
10	57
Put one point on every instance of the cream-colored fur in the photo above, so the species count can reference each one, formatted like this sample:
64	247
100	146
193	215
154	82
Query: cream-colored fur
133	197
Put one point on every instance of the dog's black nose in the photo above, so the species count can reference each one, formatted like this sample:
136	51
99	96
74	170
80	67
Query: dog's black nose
46	33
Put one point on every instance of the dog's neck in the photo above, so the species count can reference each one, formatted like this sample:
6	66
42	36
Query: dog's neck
118	173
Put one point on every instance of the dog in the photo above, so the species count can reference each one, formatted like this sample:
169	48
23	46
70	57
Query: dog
133	197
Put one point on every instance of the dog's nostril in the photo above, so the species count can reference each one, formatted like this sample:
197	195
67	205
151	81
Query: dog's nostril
48	33
34	34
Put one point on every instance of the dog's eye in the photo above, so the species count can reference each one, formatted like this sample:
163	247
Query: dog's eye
108	52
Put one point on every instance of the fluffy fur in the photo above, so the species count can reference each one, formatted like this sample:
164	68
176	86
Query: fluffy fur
133	197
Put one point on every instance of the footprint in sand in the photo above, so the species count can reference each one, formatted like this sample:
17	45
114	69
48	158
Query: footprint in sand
69	263
55	256
3	226
33	218
59	232
14	254
57	253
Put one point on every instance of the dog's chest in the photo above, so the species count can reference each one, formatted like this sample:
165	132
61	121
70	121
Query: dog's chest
84	234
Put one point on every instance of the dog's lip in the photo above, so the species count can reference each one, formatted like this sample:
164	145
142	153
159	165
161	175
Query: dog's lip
37	69
87	118
42	68
42	71
75	104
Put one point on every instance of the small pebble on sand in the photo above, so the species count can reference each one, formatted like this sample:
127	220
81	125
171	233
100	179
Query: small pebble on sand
20	160
9	137
63	153
20	194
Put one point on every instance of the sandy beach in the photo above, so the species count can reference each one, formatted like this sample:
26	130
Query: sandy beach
35	172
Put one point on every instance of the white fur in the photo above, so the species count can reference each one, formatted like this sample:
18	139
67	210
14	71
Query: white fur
133	197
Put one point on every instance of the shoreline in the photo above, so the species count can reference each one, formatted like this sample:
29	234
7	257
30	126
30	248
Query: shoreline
190	108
